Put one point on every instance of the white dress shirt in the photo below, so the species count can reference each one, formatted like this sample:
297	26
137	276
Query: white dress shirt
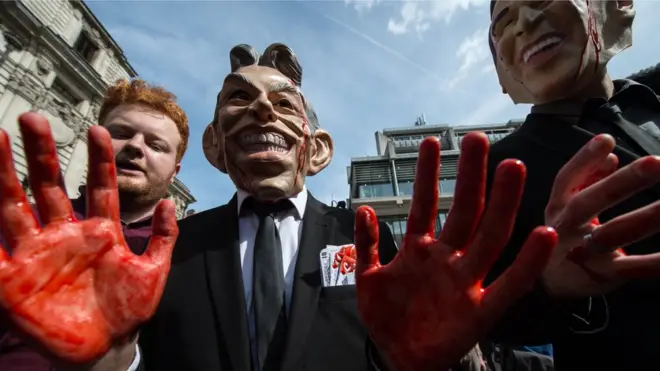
289	225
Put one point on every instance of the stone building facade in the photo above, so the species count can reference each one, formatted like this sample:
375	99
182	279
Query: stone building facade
57	59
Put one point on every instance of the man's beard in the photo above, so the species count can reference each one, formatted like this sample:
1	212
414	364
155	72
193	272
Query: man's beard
134	197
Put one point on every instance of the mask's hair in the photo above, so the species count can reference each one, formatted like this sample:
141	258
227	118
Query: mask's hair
281	58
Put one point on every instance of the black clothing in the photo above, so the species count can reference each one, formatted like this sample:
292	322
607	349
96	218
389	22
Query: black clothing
201	323
617	331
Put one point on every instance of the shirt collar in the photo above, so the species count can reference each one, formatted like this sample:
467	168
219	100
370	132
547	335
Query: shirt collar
299	201
622	89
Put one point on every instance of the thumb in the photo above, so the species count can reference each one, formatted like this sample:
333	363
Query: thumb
164	231
366	239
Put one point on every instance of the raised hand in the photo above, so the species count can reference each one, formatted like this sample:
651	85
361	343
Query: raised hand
427	308
74	286
588	259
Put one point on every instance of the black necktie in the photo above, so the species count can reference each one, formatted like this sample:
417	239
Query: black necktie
268	286
611	113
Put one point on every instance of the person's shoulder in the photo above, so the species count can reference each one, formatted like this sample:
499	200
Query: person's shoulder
341	213
203	219
346	216
507	144
518	145
196	229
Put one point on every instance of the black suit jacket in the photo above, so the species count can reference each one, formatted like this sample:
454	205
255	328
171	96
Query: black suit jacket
201	322
614	332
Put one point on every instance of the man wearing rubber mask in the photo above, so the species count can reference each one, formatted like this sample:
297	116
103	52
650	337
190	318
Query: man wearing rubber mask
298	308
595	292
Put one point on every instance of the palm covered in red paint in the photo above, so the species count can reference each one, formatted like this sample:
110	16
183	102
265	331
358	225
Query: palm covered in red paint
73	286
427	308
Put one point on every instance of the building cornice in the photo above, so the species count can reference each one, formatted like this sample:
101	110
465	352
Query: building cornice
177	187
118	52
56	47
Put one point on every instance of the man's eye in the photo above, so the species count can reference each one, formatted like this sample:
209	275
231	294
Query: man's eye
284	103
239	95
119	135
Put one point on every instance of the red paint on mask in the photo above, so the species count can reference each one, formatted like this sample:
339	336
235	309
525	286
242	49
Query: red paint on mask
592	35
301	152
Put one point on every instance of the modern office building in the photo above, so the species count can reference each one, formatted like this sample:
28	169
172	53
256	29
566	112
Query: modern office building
57	59
385	181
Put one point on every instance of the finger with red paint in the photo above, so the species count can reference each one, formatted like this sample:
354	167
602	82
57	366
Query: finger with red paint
426	308
588	260
71	286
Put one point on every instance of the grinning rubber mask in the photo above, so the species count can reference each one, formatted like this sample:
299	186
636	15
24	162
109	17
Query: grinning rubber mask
549	50
264	134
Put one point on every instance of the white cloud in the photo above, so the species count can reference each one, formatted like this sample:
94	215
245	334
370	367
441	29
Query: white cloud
491	107
418	15
412	16
362	5
472	52
383	47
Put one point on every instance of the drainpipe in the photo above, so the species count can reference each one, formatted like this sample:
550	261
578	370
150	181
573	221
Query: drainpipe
394	179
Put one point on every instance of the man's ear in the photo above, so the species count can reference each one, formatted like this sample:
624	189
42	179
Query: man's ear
321	151
177	168
213	148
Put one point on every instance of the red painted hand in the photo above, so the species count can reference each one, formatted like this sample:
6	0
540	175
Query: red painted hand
73	286
427	308
586	186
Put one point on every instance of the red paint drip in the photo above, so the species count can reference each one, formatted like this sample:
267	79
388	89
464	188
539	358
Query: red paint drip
301	152
592	35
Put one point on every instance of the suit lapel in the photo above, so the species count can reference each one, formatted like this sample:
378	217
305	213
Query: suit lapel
639	135
307	282
224	276
568	139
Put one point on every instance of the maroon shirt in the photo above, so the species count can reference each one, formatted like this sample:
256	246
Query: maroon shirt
14	354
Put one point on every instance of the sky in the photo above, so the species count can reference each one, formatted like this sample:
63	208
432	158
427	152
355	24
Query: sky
368	65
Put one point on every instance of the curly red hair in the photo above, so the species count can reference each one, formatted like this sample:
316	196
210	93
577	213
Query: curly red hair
138	91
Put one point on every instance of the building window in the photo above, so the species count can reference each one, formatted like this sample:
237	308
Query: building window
373	179
495	136
447	186
64	93
376	190
85	47
406	188
398	225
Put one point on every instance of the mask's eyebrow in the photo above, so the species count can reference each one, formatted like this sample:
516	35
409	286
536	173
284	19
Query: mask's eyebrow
279	87
238	78
498	18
